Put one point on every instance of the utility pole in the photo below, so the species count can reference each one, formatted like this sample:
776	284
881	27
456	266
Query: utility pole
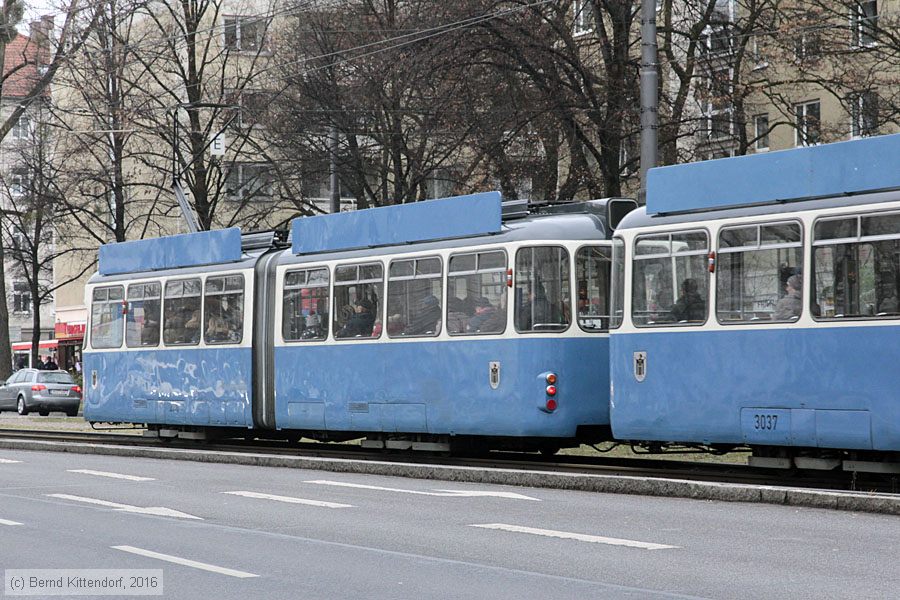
649	94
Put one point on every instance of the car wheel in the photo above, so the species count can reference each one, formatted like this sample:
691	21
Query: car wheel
20	406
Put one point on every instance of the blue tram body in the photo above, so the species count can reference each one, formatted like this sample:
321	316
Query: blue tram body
752	318
288	364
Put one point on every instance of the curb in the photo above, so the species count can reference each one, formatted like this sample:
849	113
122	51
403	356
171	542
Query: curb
607	484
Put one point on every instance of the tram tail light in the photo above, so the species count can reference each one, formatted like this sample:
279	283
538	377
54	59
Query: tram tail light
551	378
38	388
551	390
509	278
712	262
551	404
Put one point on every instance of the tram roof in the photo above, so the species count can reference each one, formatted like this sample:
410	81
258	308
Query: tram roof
843	168
171	252
445	218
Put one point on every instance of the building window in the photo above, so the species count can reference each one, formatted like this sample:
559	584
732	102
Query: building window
809	123
249	181
22	128
584	16
246	34
863	114
808	40
21	297
716	39
18	183
863	23
251	107
761	132
718	111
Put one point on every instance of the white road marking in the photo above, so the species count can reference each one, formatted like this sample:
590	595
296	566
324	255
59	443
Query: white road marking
159	511
594	539
111	475
289	500
185	562
6	461
5	522
441	493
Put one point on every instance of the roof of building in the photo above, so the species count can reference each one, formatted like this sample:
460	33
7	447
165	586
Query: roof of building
22	67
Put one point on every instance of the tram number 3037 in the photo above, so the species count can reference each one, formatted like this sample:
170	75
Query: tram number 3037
765	422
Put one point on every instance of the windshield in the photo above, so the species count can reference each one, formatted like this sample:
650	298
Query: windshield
55	378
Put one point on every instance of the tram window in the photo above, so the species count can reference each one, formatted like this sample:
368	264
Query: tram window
543	297
106	317
142	319
305	305
859	277
670	279
592	280
415	289
476	293
617	291
223	309
758	274
357	300
181	312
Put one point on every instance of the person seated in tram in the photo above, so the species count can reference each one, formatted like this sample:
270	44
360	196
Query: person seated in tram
887	303
216	328
362	322
426	320
791	304
690	306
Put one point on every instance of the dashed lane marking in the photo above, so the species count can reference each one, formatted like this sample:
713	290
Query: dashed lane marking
5	522
289	500
159	511
7	461
185	562
111	475
581	537
440	493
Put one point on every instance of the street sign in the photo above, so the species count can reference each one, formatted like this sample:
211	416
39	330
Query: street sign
217	146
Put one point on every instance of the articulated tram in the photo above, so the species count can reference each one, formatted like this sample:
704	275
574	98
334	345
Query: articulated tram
409	326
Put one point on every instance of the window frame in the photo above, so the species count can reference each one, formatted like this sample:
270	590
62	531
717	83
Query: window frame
477	271
862	27
801	129
759	246
858	239
204	324
383	298
609	297
164	321
387	293
329	297
238	20
160	315
761	136
571	267
634	258
90	330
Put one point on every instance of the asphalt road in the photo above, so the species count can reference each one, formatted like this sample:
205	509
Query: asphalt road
285	533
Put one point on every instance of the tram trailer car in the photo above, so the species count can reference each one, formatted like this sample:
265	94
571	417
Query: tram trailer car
410	326
760	300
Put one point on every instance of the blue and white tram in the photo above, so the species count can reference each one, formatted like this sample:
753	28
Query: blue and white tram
757	305
411	326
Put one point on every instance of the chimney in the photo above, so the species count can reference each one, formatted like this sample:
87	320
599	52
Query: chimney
40	32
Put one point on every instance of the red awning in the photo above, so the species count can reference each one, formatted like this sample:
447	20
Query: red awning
26	346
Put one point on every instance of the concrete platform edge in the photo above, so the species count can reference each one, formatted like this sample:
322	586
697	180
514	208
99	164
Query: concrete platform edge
609	484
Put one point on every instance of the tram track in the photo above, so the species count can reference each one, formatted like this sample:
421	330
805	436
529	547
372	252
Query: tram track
695	471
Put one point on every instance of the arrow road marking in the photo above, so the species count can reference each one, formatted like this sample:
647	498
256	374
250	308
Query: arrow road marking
159	511
5	522
289	500
111	475
184	561
440	493
594	539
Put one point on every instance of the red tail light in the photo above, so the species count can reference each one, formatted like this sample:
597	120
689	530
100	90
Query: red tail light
551	390
551	404
551	378
76	389
38	388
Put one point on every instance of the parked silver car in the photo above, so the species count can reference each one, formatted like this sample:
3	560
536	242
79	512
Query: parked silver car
29	389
